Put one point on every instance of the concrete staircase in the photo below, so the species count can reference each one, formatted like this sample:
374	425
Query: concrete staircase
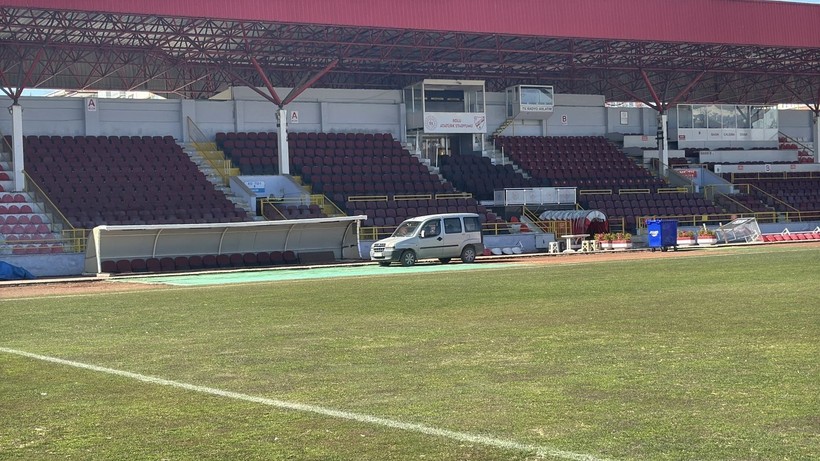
6	167
502	127
217	169
497	157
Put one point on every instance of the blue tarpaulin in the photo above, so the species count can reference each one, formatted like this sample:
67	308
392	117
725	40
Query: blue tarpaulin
9	272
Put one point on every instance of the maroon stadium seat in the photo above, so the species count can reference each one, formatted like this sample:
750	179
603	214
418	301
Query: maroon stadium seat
289	257
263	258
153	265
237	260
250	259
209	262
181	263
124	266
138	265
167	264
223	261
195	262
109	266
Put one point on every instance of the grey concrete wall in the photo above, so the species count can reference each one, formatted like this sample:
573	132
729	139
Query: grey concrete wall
374	111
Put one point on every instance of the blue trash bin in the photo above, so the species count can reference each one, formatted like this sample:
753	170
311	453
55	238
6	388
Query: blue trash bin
662	233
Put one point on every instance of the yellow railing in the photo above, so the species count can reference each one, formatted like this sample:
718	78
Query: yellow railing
490	228
595	192
207	149
713	219
400	197
50	208
74	240
760	191
743	208
633	191
616	224
328	207
784	175
369	198
673	190
375	233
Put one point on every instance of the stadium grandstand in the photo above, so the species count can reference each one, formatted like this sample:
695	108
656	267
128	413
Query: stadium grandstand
296	121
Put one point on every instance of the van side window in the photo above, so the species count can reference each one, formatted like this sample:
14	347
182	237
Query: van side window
452	225
472	224
430	229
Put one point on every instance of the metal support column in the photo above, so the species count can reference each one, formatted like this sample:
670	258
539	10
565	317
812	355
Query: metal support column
284	158
816	137
17	146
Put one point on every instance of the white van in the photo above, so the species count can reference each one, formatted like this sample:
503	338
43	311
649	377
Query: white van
442	236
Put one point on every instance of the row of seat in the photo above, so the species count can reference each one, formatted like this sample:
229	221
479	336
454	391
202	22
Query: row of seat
388	213
294	135
479	176
585	162
7	198
791	237
276	212
795	190
742	203
98	187
15	248
630	206
196	262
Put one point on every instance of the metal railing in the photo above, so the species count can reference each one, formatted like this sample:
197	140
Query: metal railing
270	205
777	175
800	144
71	239
709	219
209	152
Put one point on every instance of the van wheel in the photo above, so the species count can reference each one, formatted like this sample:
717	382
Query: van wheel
468	255
384	263
408	258
444	260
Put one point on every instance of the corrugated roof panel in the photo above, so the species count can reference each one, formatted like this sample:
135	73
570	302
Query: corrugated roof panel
752	22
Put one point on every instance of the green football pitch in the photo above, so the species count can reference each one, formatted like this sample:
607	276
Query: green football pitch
668	358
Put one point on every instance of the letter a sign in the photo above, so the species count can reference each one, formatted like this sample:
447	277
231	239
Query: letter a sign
91	105
294	116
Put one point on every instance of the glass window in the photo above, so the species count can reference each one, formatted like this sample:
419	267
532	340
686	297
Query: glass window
743	117
475	101
430	229
406	228
729	117
714	118
685	116
452	226
408	100
770	118
472	224
756	116
699	116
539	96
763	117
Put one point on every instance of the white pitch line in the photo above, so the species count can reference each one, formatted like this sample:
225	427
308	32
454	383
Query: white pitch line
540	451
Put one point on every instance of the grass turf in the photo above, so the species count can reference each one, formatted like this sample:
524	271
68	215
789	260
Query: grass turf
673	358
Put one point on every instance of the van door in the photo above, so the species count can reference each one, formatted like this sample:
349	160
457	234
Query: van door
430	239
453	238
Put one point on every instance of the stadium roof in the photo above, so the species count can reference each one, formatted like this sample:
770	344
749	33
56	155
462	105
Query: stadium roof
659	52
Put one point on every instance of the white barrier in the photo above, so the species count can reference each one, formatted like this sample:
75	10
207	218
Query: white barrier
337	235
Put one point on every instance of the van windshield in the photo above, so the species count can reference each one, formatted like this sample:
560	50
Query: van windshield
406	229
